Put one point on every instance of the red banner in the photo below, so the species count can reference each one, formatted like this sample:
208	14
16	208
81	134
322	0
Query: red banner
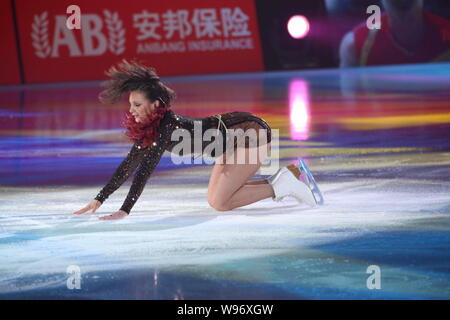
175	37
9	63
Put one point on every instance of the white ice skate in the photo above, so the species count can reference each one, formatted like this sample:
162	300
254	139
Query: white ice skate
286	183
309	180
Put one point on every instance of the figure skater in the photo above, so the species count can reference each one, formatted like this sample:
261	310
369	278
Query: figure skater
150	123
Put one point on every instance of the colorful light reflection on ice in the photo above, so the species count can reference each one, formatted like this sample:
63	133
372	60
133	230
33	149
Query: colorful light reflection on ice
299	113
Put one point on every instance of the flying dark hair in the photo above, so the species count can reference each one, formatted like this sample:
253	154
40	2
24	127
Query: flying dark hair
134	76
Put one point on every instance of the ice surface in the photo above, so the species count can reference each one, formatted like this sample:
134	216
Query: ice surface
171	228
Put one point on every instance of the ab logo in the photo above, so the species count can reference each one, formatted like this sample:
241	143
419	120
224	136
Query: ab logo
96	34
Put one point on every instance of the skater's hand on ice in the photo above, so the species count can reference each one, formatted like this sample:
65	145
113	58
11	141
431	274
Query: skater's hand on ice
116	216
93	205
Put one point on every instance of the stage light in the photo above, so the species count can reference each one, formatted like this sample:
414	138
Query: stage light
295	34
298	26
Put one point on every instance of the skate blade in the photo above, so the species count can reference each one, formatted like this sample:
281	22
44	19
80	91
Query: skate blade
318	197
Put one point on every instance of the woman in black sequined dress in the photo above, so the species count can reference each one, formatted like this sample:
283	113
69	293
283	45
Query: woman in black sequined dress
150	125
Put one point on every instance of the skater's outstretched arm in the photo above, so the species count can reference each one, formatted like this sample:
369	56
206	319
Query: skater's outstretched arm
151	157
123	171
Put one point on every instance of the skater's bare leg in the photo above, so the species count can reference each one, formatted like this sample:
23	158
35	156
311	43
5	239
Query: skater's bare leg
255	182
248	194
229	187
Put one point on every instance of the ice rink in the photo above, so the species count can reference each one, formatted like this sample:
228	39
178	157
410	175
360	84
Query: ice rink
376	139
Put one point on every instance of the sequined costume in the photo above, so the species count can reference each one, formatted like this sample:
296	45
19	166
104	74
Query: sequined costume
145	159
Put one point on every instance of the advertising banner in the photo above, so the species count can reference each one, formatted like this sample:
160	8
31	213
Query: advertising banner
175	37
9	63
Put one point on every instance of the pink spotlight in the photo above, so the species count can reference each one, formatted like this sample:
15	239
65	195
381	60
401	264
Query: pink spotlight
298	26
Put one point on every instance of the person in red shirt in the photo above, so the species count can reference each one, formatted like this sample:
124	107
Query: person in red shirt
408	34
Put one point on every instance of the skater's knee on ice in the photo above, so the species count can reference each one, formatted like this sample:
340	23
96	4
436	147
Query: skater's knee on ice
219	204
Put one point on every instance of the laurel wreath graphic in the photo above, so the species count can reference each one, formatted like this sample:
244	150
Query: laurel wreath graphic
39	34
116	32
